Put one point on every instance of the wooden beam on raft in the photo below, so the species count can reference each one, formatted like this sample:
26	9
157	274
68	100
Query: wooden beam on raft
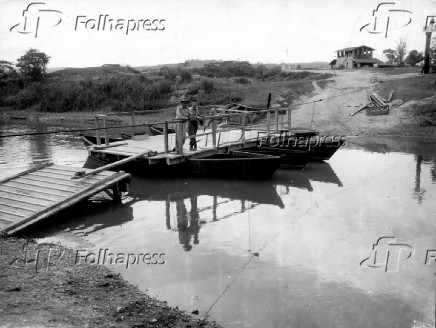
82	174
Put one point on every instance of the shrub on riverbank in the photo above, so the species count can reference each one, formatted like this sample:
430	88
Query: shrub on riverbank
124	89
134	93
121	95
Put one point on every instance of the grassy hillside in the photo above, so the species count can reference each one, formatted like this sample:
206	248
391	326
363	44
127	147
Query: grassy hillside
122	88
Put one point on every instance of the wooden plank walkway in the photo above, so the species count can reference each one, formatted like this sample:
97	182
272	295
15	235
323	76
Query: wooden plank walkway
226	141
39	193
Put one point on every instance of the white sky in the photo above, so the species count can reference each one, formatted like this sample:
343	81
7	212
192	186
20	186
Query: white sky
272	31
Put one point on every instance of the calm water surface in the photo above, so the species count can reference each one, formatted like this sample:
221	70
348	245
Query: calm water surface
286	252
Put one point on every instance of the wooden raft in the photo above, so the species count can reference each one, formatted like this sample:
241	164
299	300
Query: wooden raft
225	141
39	193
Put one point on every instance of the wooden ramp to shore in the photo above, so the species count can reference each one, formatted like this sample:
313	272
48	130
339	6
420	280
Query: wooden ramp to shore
39	193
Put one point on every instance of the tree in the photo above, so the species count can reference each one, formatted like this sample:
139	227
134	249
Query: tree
261	70
401	51
414	57
33	64
6	70
391	55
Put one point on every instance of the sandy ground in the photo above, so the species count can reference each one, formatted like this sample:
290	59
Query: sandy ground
329	109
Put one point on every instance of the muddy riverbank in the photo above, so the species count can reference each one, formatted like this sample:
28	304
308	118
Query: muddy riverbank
43	285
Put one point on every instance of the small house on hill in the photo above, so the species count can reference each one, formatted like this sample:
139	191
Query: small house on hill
355	57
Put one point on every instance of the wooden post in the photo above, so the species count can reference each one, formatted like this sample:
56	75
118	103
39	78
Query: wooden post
116	192
243	126
289	119
267	123
97	132
179	136
214	129
277	120
166	136
269	101
133	123
427	53
105	131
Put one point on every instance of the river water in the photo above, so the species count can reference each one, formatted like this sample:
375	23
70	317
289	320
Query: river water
348	243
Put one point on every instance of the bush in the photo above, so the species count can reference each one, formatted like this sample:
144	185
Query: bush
217	97
185	76
168	73
242	80
30	96
227	69
165	86
120	95
208	86
193	89
272	71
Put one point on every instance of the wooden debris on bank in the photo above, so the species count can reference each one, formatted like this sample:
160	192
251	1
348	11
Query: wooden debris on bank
377	105
390	96
377	99
360	109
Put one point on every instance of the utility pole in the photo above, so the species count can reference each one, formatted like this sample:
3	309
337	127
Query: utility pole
429	28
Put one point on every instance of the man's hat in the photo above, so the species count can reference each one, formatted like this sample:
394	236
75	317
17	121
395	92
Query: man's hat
184	99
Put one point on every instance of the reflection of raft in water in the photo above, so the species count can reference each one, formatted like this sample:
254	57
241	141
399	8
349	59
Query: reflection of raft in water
261	191
319	172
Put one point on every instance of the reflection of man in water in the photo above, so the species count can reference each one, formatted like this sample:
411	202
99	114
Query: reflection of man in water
194	222
187	227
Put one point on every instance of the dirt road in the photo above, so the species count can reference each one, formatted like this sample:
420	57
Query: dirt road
329	109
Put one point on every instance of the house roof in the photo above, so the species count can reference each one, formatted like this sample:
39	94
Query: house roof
352	48
366	60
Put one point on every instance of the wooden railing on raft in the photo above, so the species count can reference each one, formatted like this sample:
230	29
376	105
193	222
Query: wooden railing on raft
270	126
